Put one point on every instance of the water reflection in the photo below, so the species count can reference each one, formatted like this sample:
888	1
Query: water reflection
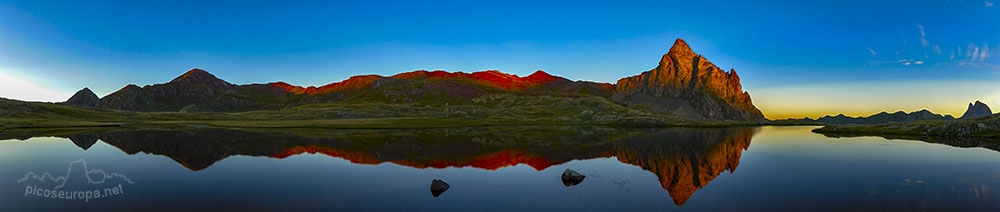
684	160
965	142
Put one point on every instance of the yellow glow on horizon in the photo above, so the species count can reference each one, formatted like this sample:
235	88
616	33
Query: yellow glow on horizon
867	98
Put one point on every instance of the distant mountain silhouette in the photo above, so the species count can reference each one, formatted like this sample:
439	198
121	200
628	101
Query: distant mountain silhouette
977	110
879	118
83	98
684	84
986	127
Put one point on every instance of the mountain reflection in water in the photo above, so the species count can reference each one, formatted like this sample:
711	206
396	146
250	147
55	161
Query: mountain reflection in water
684	160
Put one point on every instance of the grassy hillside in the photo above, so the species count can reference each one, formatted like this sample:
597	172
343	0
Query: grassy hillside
486	110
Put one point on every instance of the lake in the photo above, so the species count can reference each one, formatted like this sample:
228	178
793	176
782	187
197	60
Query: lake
779	168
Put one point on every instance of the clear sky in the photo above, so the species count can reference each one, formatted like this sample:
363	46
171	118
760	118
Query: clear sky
796	58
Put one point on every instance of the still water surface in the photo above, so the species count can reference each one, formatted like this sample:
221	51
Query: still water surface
499	169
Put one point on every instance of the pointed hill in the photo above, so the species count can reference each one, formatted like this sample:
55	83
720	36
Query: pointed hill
83	98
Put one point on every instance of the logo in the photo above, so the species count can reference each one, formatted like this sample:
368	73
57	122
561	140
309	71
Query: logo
79	183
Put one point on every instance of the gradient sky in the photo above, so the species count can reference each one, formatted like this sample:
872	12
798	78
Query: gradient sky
796	58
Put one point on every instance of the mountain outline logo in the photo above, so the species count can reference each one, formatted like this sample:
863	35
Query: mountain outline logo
69	170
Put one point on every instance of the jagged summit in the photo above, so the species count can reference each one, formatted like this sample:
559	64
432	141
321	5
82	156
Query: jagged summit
683	74
976	110
680	47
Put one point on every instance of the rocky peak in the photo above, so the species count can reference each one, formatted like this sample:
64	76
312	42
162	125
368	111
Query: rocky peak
680	48
976	110
83	98
683	74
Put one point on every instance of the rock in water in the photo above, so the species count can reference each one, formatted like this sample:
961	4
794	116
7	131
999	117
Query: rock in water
83	98
572	178
977	110
438	187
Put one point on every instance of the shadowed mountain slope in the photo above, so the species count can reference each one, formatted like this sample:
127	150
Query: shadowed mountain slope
83	98
979	109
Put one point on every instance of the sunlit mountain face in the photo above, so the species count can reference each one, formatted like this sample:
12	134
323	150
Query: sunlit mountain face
683	160
492	78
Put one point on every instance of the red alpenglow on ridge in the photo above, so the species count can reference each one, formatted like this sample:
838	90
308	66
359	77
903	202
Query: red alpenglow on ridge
491	78
488	161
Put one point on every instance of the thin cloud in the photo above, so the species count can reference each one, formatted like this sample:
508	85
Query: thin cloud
937	49
918	62
881	62
872	51
988	4
985	52
952	55
972	51
923	36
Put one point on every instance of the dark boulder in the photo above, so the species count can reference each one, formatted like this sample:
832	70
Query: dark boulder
572	178
438	187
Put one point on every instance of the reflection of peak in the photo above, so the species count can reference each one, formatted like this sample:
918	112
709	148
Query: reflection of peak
684	160
199	149
688	159
491	161
84	141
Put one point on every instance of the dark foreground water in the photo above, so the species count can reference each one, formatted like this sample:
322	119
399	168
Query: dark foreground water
494	169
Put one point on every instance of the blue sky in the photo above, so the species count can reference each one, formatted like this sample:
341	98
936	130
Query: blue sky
796	58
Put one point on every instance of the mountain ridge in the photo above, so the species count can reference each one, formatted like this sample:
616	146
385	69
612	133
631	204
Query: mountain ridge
879	118
683	84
